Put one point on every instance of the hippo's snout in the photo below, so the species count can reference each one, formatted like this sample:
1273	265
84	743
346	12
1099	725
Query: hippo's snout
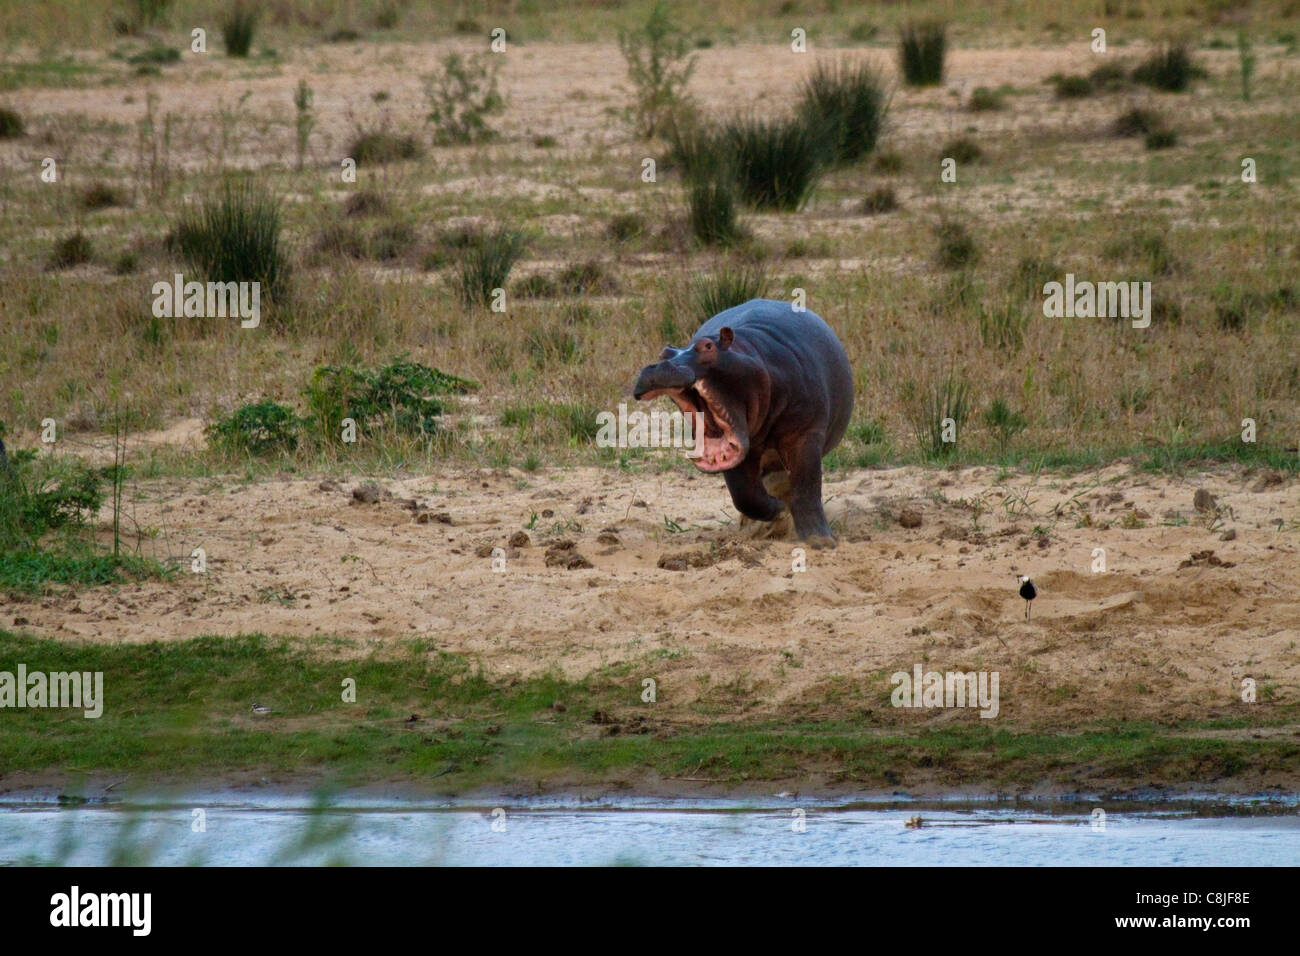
663	376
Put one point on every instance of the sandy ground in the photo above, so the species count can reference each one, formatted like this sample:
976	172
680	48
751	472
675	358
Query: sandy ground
716	614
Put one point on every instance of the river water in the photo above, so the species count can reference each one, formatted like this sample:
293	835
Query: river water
234	828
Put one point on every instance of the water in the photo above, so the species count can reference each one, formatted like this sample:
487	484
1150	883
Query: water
243	830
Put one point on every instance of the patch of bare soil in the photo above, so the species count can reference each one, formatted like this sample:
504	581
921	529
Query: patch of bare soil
571	570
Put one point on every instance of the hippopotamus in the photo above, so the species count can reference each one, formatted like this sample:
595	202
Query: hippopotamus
773	389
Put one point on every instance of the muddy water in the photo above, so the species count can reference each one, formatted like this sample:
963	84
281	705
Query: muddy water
232	829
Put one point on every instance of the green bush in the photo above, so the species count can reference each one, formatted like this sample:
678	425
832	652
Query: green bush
927	410
1071	87
1004	422
11	124
256	429
921	53
381	146
461	98
486	263
659	66
71	250
776	162
844	105
234	236
880	200
984	100
403	396
963	149
956	245
712	211
1138	122
1169	68
237	28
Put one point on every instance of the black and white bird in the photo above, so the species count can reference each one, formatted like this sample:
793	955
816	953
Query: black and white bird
260	709
1028	592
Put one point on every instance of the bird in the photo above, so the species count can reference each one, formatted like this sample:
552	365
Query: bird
1028	592
260	709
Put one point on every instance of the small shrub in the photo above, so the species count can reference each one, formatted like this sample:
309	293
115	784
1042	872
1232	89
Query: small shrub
461	98
659	65
1138	122
1071	87
545	142
485	265
71	250
776	162
537	286
234	236
11	124
888	164
701	152
1108	77
101	196
343	35
921	53
927	411
585	278
128	263
964	150
727	287
381	146
625	227
1169	68
844	106
157	55
1004	422
365	203
956	245
1161	139
880	200
403	395
238	27
712	206
985	100
256	429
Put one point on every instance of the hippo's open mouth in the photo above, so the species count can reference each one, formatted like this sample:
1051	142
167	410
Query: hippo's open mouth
719	448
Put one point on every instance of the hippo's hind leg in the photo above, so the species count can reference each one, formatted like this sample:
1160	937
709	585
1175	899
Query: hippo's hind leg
747	492
804	460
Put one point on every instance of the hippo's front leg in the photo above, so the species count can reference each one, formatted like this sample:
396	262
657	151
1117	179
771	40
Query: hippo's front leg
747	492
804	462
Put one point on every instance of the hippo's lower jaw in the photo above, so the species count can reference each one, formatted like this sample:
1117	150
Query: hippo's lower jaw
716	454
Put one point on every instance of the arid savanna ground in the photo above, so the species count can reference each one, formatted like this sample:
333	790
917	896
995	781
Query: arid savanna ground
624	563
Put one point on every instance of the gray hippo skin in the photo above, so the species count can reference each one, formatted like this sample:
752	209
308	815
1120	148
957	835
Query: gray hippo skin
775	392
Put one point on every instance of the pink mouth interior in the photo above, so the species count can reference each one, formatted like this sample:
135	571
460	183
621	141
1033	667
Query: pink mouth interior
718	449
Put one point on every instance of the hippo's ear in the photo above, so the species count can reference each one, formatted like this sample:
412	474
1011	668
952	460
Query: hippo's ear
726	337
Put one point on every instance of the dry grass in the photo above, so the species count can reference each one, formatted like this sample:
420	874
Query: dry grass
82	346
